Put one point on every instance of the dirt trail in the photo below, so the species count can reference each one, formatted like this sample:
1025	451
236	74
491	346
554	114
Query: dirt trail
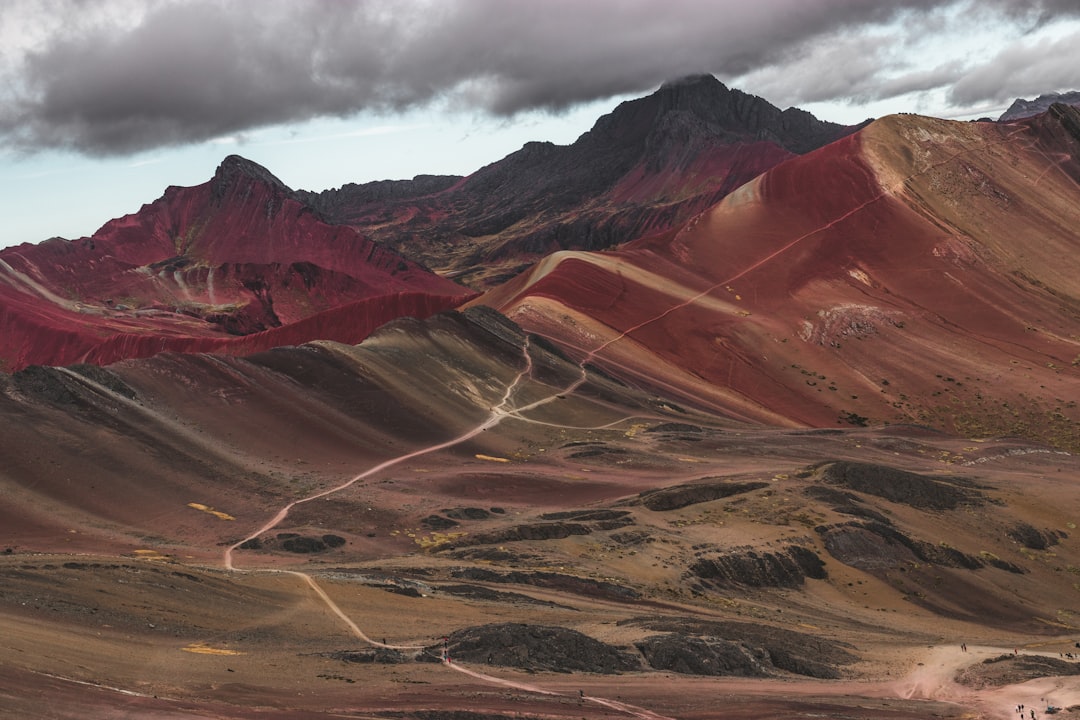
498	413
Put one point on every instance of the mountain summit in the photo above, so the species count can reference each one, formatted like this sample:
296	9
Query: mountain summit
719	113
647	166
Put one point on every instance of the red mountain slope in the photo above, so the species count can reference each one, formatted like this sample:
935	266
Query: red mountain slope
234	265
920	270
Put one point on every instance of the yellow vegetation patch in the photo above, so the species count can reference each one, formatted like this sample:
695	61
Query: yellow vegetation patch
635	429
149	554
489	458
204	649
436	538
211	511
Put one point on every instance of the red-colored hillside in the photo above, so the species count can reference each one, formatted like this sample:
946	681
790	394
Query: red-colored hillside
234	265
921	270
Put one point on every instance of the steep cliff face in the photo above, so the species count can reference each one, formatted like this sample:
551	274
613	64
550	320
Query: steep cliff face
646	167
921	271
200	268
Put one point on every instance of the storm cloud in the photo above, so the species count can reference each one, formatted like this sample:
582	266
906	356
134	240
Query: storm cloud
118	77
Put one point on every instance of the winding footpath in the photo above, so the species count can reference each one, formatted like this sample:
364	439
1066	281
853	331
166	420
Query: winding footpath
499	412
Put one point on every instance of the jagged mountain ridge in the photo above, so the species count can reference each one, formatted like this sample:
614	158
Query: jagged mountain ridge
236	265
1022	108
645	167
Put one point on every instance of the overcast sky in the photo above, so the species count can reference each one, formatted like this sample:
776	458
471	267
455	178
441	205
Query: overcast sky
103	103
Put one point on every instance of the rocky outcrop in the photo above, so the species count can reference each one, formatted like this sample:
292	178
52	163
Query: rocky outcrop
789	567
1026	535
680	496
539	648
901	486
876	546
566	583
294	543
703	656
732	648
587	522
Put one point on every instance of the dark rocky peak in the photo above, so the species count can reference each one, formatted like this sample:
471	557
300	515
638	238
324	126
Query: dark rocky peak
1022	108
238	171
719	111
357	195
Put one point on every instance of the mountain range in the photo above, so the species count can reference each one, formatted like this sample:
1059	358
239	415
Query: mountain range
1022	108
718	398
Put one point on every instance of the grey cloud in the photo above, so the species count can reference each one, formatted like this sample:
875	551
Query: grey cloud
917	81
1022	70
191	70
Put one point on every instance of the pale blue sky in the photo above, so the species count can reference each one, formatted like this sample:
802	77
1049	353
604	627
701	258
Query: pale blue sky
104	104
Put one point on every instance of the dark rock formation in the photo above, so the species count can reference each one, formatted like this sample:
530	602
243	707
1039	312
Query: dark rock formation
479	592
1031	538
873	545
539	648
600	520
294	543
900	486
467	513
704	656
732	648
380	655
752	568
679	496
567	583
438	522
